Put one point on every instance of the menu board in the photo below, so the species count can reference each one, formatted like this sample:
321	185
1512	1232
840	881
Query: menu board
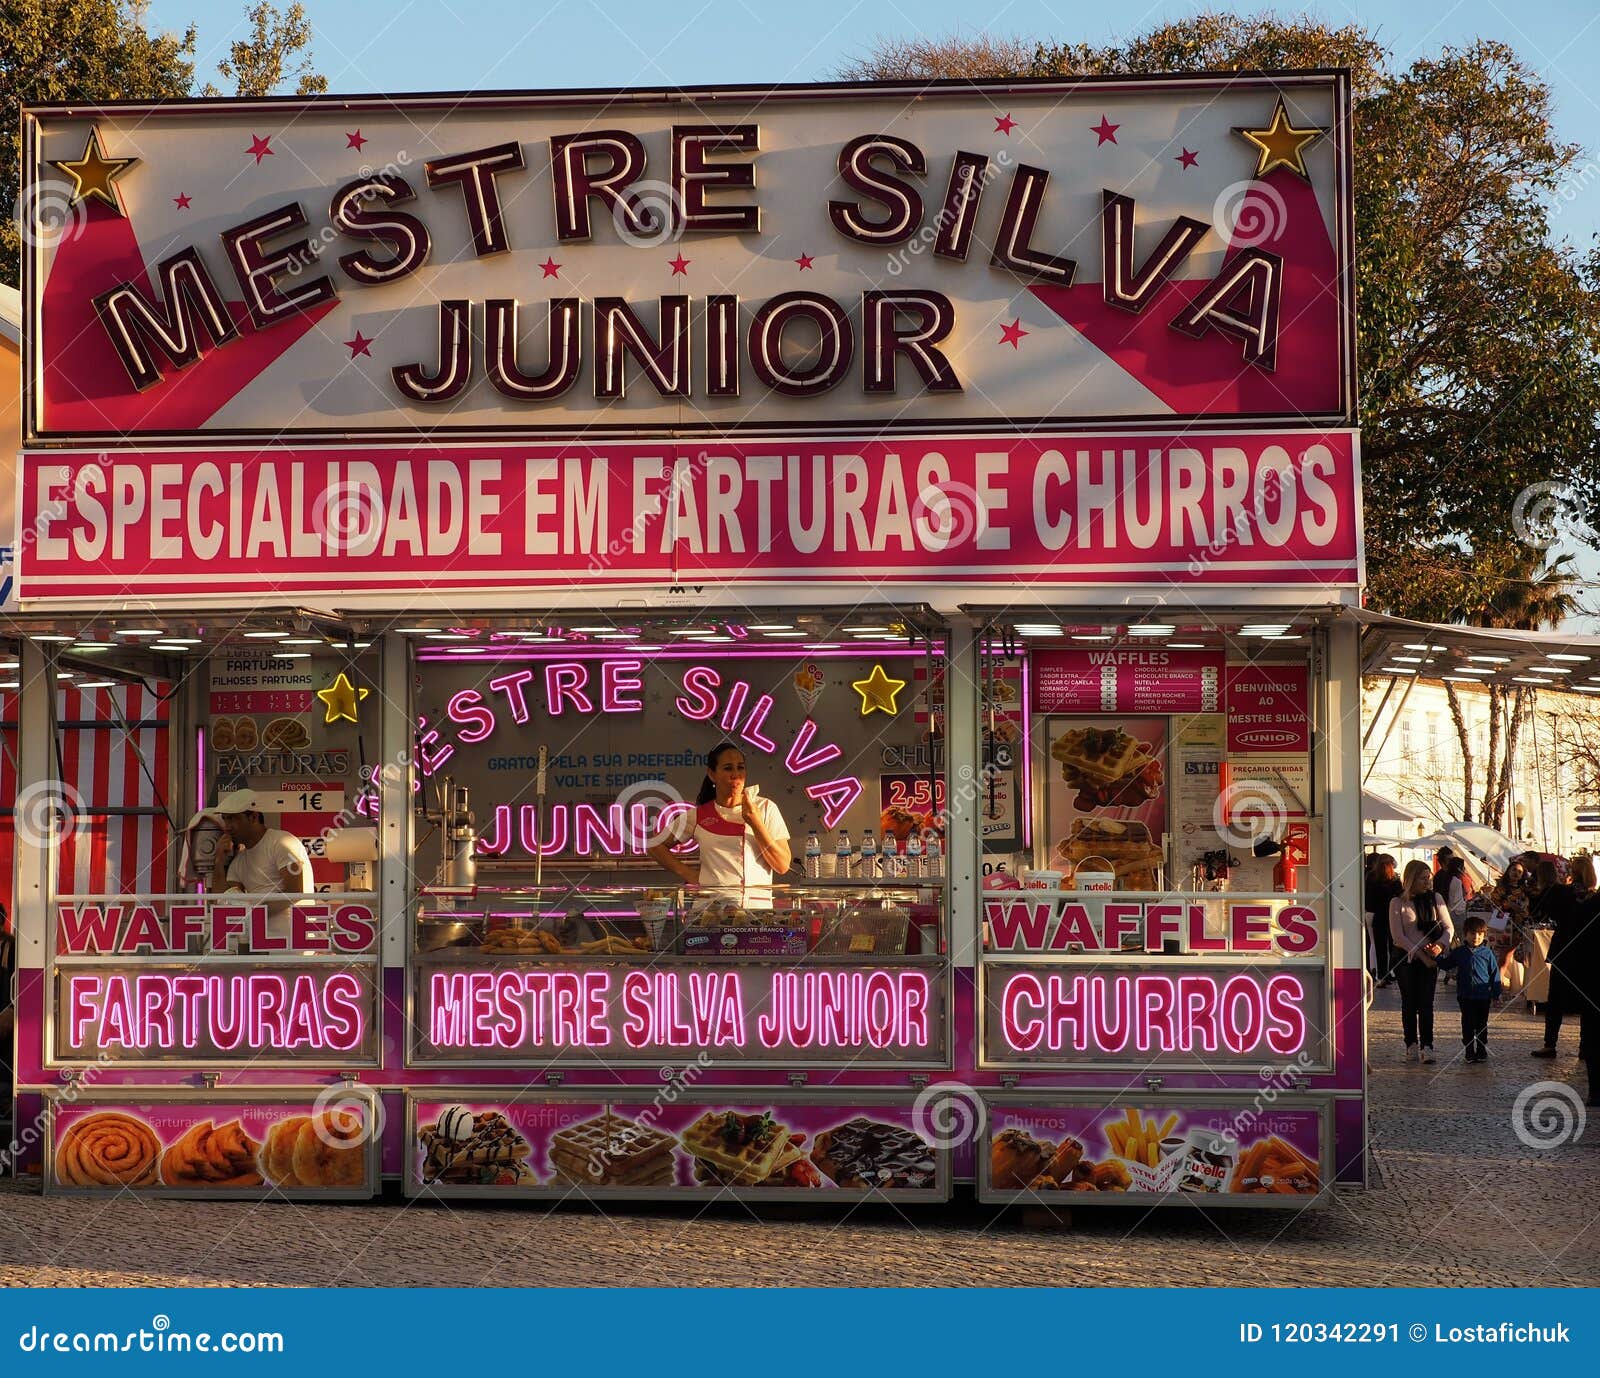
1199	756
1128	679
1106	795
1269	740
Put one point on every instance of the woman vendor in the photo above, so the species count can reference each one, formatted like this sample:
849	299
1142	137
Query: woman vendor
742	837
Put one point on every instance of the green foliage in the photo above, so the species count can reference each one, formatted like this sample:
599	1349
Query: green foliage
98	50
58	50
270	57
1479	349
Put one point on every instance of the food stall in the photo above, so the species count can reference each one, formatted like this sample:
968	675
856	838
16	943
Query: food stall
977	607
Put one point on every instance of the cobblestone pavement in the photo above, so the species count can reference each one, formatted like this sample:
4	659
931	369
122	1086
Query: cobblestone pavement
1462	1200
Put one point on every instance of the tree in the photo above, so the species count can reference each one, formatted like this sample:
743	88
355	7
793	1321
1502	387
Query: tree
1479	333
59	50
927	59
93	50
271	56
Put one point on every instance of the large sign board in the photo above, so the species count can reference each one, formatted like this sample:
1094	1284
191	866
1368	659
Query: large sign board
951	257
1171	508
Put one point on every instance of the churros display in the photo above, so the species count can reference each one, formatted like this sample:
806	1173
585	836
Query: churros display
209	1156
1159	1152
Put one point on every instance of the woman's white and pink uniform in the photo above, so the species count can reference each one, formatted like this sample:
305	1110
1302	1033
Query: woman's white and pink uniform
731	864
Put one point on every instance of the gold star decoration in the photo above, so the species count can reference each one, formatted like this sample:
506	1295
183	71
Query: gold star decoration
1280	144
94	175
341	697
878	692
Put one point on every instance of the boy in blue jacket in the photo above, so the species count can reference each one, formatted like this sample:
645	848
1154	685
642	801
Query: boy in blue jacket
1477	985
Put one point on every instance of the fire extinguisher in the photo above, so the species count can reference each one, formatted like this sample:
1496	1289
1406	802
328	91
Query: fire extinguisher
1285	875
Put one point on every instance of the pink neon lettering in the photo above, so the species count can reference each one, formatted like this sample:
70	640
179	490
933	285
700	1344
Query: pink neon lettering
468	708
343	1027
303	1025
81	991
1156	1031
736	698
428	760
1110	1016
155	1011
589	833
1241	991
512	686
801	758
563	680
596	987
116	1016
835	796
557	839
1286	1019
497	843
268	998
1023	1028
752	725
1197	1002
613	682
700	681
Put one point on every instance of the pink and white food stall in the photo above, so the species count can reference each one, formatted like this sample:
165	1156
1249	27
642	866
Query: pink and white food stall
452	473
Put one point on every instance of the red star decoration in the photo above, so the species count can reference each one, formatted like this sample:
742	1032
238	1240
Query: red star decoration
679	265
181	200
356	141
360	345
805	261
259	148
552	269
1187	158
1012	334
1106	131
1005	124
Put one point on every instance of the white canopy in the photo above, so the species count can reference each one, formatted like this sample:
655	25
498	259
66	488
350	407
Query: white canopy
1475	840
1377	809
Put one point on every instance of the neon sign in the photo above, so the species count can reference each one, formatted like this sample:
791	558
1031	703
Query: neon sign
119	1013
1106	1014
831	1013
569	687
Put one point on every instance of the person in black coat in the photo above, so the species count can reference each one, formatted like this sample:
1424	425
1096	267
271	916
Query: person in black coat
1558	905
1382	885
1580	959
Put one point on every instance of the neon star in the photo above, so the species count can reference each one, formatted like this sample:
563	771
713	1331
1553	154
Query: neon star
1106	131
1012	334
341	698
260	148
94	175
878	692
1280	144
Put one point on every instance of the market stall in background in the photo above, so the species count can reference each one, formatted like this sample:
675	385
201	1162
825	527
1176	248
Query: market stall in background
454	594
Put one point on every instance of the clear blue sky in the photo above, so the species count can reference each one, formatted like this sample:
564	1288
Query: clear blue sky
430	45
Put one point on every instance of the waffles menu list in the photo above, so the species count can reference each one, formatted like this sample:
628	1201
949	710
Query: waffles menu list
1128	679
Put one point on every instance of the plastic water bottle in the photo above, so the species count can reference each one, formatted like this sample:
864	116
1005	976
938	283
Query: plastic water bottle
935	866
842	856
813	856
914	856
891	858
869	856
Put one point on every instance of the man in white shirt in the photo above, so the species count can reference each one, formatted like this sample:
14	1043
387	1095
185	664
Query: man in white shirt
258	860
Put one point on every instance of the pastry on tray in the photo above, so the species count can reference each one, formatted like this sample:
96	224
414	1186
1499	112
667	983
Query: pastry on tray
463	1147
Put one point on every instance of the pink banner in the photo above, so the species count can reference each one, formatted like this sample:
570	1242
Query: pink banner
1234	508
1268	709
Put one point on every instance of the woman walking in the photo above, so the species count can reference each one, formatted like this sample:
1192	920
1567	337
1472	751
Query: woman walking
1418	920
